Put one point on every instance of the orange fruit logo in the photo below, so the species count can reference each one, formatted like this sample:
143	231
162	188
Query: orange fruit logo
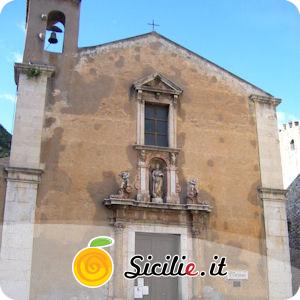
93	266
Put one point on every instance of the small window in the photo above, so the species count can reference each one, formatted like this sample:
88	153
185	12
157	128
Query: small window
156	125
292	145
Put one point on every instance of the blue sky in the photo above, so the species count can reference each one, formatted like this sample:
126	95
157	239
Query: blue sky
258	40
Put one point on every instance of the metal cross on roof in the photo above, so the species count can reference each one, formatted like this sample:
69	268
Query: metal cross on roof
153	25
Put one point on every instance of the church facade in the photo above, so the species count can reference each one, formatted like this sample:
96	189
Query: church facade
149	143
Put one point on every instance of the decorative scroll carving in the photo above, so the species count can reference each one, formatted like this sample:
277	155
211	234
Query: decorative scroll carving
173	158
119	226
200	221
142	155
178	187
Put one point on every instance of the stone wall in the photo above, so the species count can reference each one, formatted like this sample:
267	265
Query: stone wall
289	135
88	138
3	164
293	214
5	141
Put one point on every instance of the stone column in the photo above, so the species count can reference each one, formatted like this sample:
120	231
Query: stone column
140	124
32	91
277	242
273	197
118	282
143	186
173	123
24	173
17	233
173	196
199	235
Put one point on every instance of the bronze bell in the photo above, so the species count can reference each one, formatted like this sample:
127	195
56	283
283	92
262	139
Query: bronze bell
53	39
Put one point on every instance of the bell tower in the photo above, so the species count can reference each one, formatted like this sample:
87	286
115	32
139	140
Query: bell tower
49	23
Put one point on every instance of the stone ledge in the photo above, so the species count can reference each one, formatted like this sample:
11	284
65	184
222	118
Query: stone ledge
26	175
156	148
272	194
266	100
24	68
110	202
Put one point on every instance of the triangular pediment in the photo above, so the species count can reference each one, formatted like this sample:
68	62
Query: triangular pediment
157	82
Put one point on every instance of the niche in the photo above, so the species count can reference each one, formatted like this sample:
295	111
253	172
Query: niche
158	180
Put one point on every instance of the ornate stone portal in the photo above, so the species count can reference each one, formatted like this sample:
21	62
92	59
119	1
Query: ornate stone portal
158	199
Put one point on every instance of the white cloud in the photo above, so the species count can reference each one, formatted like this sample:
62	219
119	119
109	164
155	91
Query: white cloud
21	26
15	57
3	3
283	117
296	3
18	57
9	97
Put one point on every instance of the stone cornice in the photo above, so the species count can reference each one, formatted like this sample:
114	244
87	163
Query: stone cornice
25	68
27	7
115	202
265	99
27	175
272	194
156	148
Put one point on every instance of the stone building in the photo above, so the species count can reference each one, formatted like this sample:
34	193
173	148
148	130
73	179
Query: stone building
293	217
5	140
200	147
289	136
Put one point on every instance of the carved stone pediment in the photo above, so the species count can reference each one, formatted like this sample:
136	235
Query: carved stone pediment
157	83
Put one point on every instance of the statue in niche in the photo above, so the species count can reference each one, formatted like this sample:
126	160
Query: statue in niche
192	191
157	184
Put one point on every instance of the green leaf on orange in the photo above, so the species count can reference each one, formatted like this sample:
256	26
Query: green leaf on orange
101	241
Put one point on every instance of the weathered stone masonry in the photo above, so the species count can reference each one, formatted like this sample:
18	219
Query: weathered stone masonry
79	123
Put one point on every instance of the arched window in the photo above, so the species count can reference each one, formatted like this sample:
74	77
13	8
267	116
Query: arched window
54	38
292	145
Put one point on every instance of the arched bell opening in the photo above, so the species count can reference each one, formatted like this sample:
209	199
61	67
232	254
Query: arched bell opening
54	37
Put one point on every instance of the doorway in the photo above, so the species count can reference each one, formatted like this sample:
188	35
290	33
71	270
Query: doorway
158	245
